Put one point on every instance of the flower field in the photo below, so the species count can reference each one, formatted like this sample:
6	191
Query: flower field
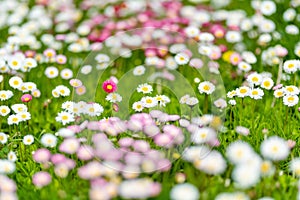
140	99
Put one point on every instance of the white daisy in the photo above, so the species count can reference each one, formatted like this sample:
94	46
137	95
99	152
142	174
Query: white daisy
181	58
267	7
243	91
13	119
291	66
15	82
291	90
145	88
184	191
203	135
137	106
7	167
256	93
290	100
244	66
28	139
278	93
295	166
192	31
162	99
113	97
139	70
206	87
11	156
17	108
94	109
267	83
254	79
24	116
275	148
149	102
66	73
239	152
4	110
51	72
65	117
3	138
49	140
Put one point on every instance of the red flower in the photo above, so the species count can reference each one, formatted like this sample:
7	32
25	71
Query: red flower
109	86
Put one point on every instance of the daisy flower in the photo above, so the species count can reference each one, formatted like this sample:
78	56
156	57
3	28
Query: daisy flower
192	31
231	94
267	83
3	138
244	66
233	36
291	90
113	97
192	101
256	93
267	7
149	102
41	179
275	148
291	66
239	152
184	99
139	70
144	88
171	63
49	140
36	93
290	100
15	63
162	99
94	109
184	191
243	91
28	139
63	90
109	86
65	117
5	95
295	166
13	119
75	83
61	59
7	167
203	135
4	110
49	53
254	79
24	116
206	87
102	58
278	93
181	58
15	82
26	98
11	156
86	69
66	74
51	72
267	168
137	106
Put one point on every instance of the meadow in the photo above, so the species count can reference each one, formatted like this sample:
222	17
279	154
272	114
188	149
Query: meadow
137	99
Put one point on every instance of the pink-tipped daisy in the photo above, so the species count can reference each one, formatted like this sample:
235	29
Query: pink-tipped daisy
26	98
109	86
